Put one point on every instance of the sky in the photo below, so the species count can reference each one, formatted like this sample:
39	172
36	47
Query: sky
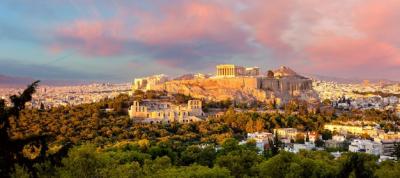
118	40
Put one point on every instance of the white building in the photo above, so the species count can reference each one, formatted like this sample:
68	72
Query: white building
366	146
296	147
338	138
261	138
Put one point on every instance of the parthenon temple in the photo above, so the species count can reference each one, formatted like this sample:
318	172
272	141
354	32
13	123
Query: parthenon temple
230	70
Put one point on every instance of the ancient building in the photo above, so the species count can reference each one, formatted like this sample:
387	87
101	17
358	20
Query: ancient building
252	71
231	70
147	83
155	111
244	84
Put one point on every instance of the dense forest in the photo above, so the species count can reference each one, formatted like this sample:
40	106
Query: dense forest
89	141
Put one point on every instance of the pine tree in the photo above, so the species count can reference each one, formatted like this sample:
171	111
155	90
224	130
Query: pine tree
11	149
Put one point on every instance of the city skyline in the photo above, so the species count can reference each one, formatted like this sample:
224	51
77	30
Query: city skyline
117	41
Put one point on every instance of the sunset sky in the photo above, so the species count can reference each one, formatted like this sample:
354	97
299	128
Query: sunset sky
118	40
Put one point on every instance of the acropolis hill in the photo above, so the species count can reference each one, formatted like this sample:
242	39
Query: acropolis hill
235	83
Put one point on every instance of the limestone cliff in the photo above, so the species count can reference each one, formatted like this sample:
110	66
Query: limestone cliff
242	88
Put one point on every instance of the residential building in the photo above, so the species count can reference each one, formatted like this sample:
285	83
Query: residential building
262	139
352	129
367	146
289	133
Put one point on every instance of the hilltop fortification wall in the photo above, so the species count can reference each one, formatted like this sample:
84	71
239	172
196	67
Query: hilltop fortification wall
239	88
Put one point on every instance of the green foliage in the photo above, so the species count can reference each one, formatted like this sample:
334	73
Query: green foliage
153	166
225	104
291	165
319	143
326	135
87	161
12	148
231	160
357	164
20	172
83	162
194	171
240	162
388	169
196	154
109	144
396	152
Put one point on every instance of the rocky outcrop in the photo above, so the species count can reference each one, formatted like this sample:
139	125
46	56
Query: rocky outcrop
284	71
242	88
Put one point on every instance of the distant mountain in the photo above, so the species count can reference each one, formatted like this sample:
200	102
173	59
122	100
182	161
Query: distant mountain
14	81
348	80
10	81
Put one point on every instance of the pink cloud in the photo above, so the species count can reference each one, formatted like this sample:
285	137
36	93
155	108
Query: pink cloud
379	20
314	36
337	53
268	20
99	38
372	49
190	21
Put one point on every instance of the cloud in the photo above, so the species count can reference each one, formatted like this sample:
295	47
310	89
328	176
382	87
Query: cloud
186	32
379	20
343	37
98	38
361	43
267	20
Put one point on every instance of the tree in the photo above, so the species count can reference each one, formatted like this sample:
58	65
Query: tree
11	149
239	163
299	138
275	144
327	102
270	74
281	165
193	171
82	162
304	164
88	161
260	124
357	164
396	152
153	166
201	156
388	169
319	143
326	135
